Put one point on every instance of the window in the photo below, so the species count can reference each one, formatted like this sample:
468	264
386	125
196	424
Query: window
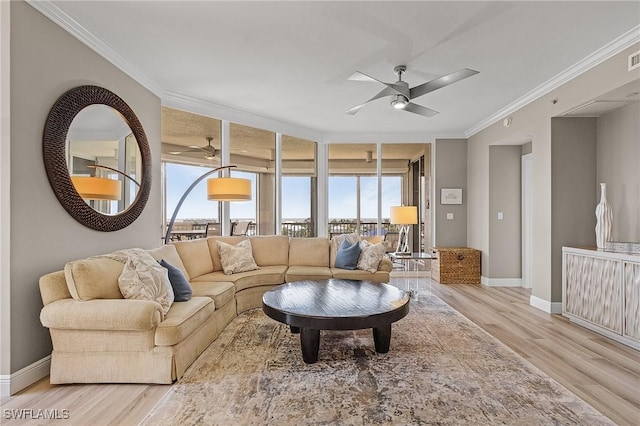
196	210
298	187
245	210
253	152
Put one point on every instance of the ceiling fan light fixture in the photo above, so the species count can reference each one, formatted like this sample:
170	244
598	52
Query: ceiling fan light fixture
399	102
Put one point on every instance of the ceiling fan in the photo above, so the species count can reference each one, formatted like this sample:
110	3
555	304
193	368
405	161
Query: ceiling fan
401	94
209	151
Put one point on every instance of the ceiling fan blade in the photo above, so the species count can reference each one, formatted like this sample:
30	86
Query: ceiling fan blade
387	91
185	151
420	110
358	76
439	82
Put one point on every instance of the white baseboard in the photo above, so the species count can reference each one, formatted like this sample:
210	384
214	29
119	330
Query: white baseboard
501	282
15	382
546	306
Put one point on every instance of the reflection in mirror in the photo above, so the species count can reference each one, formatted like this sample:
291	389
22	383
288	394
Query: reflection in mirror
104	159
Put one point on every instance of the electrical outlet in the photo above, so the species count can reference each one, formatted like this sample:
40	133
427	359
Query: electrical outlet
500	216
449	216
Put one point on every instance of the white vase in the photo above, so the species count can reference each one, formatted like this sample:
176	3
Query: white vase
604	217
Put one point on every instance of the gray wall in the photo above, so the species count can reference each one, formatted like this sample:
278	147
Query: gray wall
618	147
46	62
573	176
532	122
505	236
450	172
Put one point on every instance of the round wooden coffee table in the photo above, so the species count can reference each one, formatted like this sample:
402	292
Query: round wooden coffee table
335	304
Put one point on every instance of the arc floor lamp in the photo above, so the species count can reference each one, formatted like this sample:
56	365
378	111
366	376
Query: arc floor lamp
218	189
98	188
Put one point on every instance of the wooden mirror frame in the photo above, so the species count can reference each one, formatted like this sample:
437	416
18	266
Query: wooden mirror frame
54	144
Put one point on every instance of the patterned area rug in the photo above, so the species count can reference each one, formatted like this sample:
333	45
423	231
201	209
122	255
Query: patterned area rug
441	370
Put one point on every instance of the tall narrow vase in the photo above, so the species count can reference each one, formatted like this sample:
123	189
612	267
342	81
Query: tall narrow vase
604	217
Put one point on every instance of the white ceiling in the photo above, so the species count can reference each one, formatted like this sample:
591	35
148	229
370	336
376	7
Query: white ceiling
289	61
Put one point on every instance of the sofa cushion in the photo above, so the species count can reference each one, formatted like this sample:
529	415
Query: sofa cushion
181	287
169	253
195	256
270	250
213	248
183	319
358	274
385	265
236	258
348	254
371	256
309	252
220	291
335	243
93	278
302	273
267	275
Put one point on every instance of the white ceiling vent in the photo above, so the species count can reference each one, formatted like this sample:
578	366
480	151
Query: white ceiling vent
634	61
596	108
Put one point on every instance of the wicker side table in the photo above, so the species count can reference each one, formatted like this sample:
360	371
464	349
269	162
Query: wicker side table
456	265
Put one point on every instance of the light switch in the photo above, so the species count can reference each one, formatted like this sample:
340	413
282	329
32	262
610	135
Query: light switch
449	216
500	216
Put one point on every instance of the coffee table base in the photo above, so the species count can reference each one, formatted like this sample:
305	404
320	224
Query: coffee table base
310	341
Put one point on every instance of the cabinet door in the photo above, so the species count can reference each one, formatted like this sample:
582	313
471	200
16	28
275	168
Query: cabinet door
593	290
632	300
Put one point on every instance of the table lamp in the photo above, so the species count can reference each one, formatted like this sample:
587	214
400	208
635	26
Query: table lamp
404	216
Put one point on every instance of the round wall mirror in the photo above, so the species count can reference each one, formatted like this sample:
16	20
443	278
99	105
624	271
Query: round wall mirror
97	158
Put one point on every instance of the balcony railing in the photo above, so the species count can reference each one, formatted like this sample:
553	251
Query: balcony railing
301	229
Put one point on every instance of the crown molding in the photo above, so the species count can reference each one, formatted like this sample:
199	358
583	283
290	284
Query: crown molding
73	27
385	137
176	100
607	51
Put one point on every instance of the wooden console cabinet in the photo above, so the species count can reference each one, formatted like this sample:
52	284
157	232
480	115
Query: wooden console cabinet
601	291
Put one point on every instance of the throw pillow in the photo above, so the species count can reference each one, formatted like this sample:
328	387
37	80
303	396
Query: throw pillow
236	258
348	254
337	240
181	288
143	278
371	255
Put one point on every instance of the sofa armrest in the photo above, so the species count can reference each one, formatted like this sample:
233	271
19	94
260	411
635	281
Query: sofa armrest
385	265
102	314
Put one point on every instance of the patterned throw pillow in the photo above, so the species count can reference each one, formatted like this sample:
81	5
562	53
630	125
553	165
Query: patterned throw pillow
236	258
370	255
143	278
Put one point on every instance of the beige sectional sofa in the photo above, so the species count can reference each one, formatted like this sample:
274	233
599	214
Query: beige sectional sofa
100	337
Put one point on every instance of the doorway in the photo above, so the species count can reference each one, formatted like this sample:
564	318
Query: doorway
527	223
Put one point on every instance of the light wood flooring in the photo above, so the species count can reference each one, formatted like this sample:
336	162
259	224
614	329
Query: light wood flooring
600	371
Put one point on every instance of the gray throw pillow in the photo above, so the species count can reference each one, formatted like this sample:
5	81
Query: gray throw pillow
181	288
347	255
